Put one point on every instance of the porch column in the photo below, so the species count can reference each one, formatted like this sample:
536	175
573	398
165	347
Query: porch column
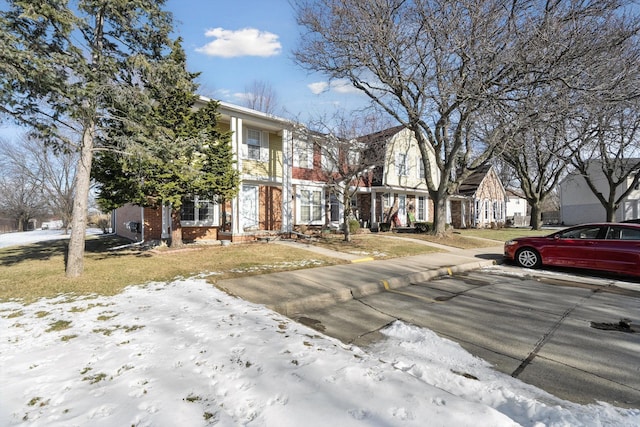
287	185
374	219
236	142
463	214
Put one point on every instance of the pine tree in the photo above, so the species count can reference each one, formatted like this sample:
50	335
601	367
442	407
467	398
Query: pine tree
174	152
62	67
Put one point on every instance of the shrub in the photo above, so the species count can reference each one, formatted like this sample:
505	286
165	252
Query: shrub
354	226
423	227
384	226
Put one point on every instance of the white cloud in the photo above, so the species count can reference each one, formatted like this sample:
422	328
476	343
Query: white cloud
242	96
344	86
244	42
318	87
341	86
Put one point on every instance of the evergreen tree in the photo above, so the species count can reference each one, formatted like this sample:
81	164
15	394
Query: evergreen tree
176	152
63	66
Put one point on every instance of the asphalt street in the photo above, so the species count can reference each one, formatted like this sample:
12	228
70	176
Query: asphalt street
537	329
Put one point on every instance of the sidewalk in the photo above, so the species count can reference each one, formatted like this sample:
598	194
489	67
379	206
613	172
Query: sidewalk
293	292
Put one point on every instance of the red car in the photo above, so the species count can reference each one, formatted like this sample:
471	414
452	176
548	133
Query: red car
612	247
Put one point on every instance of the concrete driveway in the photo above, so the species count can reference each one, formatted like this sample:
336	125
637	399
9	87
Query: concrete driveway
540	330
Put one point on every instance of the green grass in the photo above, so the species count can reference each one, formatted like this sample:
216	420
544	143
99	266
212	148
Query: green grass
34	271
372	245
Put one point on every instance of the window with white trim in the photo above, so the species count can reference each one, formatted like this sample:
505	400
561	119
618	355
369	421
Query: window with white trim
303	153
421	210
198	212
354	155
310	205
329	159
421	174
386	200
254	139
401	164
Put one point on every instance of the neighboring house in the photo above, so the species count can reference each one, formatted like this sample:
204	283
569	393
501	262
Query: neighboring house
262	145
516	209
480	202
579	205
286	175
313	204
397	192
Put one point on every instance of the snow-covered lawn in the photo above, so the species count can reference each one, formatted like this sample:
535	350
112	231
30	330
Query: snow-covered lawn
26	237
186	354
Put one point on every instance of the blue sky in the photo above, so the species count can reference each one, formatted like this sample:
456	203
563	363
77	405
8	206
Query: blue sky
234	43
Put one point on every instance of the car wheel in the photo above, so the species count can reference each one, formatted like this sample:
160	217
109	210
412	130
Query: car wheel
528	258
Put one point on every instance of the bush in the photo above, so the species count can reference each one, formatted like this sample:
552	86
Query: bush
354	226
423	227
384	226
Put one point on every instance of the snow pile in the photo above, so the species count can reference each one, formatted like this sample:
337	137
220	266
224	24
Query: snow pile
184	353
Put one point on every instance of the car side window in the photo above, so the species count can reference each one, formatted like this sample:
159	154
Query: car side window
614	233
629	234
581	233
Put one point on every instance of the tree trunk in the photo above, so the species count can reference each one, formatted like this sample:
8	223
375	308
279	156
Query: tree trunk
75	253
345	217
611	213
439	215
176	229
536	216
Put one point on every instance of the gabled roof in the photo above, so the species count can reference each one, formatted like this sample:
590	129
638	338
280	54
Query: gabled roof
514	193
473	181
381	135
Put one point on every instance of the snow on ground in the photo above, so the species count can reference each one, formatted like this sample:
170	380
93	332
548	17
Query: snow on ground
185	353
26	237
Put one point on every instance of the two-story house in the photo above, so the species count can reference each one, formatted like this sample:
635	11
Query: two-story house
288	180
397	193
578	203
262	146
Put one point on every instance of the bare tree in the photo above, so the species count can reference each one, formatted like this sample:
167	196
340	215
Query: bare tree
535	128
261	96
440	67
609	143
606	126
21	198
535	158
49	173
348	161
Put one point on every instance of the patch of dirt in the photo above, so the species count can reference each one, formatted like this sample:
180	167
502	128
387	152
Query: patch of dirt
624	325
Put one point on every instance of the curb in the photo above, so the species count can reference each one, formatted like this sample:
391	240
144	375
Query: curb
317	302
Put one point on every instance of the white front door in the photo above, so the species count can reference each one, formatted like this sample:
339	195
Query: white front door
249	208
